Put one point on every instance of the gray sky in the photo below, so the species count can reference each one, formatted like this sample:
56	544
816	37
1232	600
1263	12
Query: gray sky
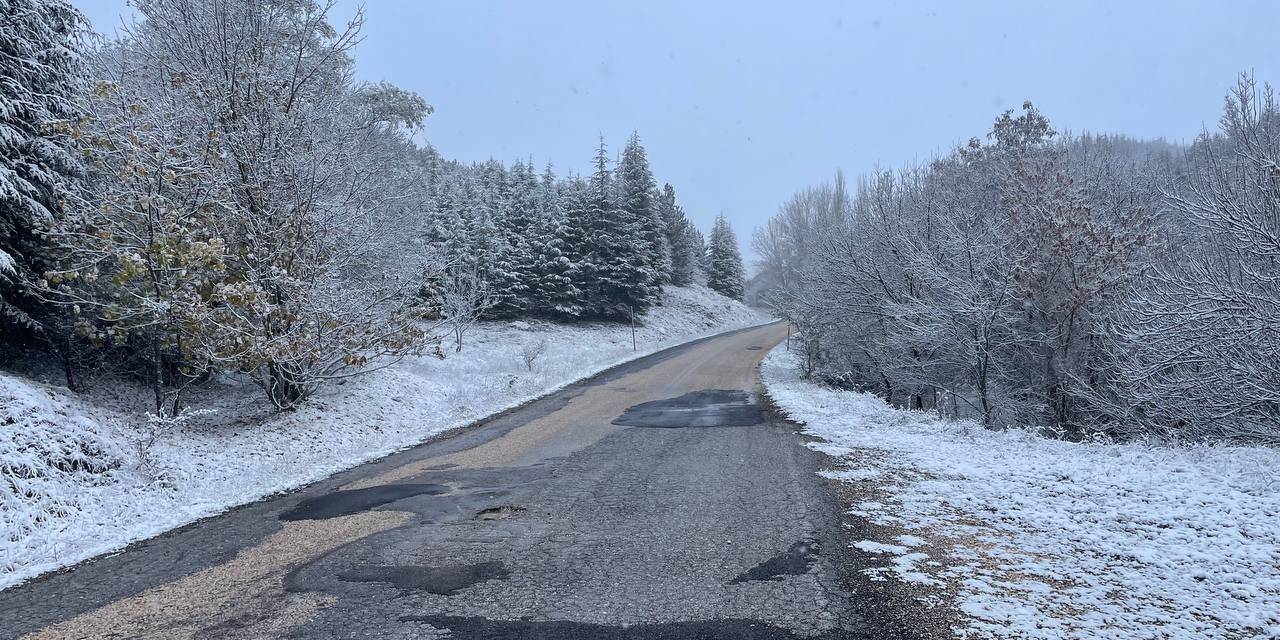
740	103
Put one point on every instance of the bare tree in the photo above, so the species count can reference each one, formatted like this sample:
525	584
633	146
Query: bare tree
980	278
1198	352
464	297
531	350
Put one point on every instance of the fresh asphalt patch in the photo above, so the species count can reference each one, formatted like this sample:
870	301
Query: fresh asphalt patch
706	408
345	503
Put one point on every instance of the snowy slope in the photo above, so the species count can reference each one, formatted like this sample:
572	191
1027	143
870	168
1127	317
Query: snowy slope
1038	538
74	484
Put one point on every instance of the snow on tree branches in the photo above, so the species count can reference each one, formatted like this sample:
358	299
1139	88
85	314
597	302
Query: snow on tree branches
1093	284
282	225
724	261
599	247
40	80
236	225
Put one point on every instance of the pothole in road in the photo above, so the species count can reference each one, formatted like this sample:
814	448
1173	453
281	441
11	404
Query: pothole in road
345	503
795	561
442	581
755	348
707	408
498	513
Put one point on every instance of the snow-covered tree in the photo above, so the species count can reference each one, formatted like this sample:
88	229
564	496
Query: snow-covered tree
977	284
559	248
298	176
616	276
686	247
514	277
639	202
724	260
564	249
1196	352
41	79
138	255
697	244
464	297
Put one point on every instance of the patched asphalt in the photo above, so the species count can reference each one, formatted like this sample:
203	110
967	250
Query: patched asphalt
705	408
617	508
345	503
441	581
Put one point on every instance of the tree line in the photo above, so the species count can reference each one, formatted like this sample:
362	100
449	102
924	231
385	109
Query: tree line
1082	284
581	247
214	191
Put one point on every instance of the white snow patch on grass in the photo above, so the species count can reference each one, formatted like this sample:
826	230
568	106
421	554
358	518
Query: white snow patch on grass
1039	538
911	541
871	546
830	449
73	484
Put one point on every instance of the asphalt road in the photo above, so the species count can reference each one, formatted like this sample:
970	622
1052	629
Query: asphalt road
661	499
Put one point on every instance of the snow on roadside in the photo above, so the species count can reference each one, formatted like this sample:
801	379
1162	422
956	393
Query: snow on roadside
72	484
1039	538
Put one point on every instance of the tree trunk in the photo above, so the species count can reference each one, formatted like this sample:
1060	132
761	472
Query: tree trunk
69	371
157	374
983	399
284	385
63	349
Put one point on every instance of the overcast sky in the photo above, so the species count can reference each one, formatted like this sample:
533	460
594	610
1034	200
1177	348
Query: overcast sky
741	103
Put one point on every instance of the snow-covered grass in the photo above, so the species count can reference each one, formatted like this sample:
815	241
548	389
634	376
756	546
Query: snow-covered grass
78	479
1039	538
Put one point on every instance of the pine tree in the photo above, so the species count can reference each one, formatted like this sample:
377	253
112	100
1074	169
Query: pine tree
697	248
41	75
581	244
485	251
448	223
684	255
618	256
724	261
466	235
638	198
558	249
515	212
595	247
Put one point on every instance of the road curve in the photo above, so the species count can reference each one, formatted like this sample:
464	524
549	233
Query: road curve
660	499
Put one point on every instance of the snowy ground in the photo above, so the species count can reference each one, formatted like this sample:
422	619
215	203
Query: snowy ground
1038	538
75	482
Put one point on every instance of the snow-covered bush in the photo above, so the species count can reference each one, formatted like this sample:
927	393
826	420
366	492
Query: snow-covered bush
531	350
51	453
145	437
